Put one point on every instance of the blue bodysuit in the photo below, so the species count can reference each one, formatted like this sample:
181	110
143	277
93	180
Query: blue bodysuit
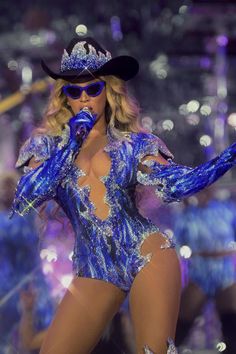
109	249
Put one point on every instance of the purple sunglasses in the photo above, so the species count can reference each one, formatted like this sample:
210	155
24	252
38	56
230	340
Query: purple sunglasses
92	90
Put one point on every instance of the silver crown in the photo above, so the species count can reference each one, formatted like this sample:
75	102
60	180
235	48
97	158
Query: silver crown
80	59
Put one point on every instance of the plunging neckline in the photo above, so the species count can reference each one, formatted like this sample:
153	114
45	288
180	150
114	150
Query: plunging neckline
86	189
103	149
111	145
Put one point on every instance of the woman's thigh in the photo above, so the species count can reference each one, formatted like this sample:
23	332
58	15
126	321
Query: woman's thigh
87	307
155	296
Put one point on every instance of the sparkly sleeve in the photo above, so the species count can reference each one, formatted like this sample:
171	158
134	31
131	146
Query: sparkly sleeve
150	144
172	181
38	146
39	184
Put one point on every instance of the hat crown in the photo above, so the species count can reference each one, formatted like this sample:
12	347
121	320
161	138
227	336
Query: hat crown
81	58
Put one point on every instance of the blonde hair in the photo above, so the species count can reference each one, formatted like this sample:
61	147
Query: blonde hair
122	111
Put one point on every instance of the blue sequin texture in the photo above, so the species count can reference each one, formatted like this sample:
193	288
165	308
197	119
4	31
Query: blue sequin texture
109	249
80	59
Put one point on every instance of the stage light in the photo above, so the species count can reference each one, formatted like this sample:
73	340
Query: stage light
70	256
81	30
36	40
47	268
205	140
222	91
160	66
183	9
183	109
192	106
221	346
117	34
26	74
185	252
205	110
49	254
147	123
167	124
12	65
232	120
193	119
66	280
222	40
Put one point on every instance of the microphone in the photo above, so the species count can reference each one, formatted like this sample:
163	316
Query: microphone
85	124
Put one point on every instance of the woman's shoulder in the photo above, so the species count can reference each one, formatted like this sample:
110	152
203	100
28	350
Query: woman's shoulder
38	145
149	143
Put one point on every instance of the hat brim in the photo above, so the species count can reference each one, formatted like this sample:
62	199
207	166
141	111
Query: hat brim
124	67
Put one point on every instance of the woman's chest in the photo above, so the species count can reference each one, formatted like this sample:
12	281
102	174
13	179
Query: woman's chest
112	160
93	161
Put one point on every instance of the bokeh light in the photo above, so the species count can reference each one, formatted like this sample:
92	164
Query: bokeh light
192	106
185	251
205	110
167	124
232	119
81	30
221	346
66	280
192	119
205	140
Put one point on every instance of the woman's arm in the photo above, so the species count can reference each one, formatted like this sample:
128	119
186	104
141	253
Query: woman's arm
174	182
40	182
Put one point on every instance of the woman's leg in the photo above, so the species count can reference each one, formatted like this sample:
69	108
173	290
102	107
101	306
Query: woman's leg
226	306
192	301
81	317
154	297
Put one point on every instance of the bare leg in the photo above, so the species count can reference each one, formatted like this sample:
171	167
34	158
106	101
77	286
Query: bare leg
154	297
83	314
226	306
192	301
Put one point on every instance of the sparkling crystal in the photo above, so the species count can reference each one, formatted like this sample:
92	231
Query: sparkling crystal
80	59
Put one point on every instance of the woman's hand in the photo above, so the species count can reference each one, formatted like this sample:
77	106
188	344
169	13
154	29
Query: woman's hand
81	124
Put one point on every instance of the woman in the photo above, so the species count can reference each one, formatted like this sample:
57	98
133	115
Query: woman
91	166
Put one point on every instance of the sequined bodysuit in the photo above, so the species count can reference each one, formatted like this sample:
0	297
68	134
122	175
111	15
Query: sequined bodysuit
110	248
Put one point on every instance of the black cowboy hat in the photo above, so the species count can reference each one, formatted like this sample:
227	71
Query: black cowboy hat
84	59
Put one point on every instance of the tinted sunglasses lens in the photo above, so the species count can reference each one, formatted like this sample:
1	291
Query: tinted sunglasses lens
72	91
95	89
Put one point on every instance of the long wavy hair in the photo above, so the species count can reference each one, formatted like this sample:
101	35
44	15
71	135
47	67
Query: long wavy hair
122	112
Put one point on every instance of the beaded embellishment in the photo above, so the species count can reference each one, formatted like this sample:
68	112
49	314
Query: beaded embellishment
171	348
81	59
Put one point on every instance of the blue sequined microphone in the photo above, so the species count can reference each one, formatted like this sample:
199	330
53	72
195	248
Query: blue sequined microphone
81	124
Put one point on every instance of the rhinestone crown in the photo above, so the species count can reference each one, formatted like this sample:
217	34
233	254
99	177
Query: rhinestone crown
80	59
